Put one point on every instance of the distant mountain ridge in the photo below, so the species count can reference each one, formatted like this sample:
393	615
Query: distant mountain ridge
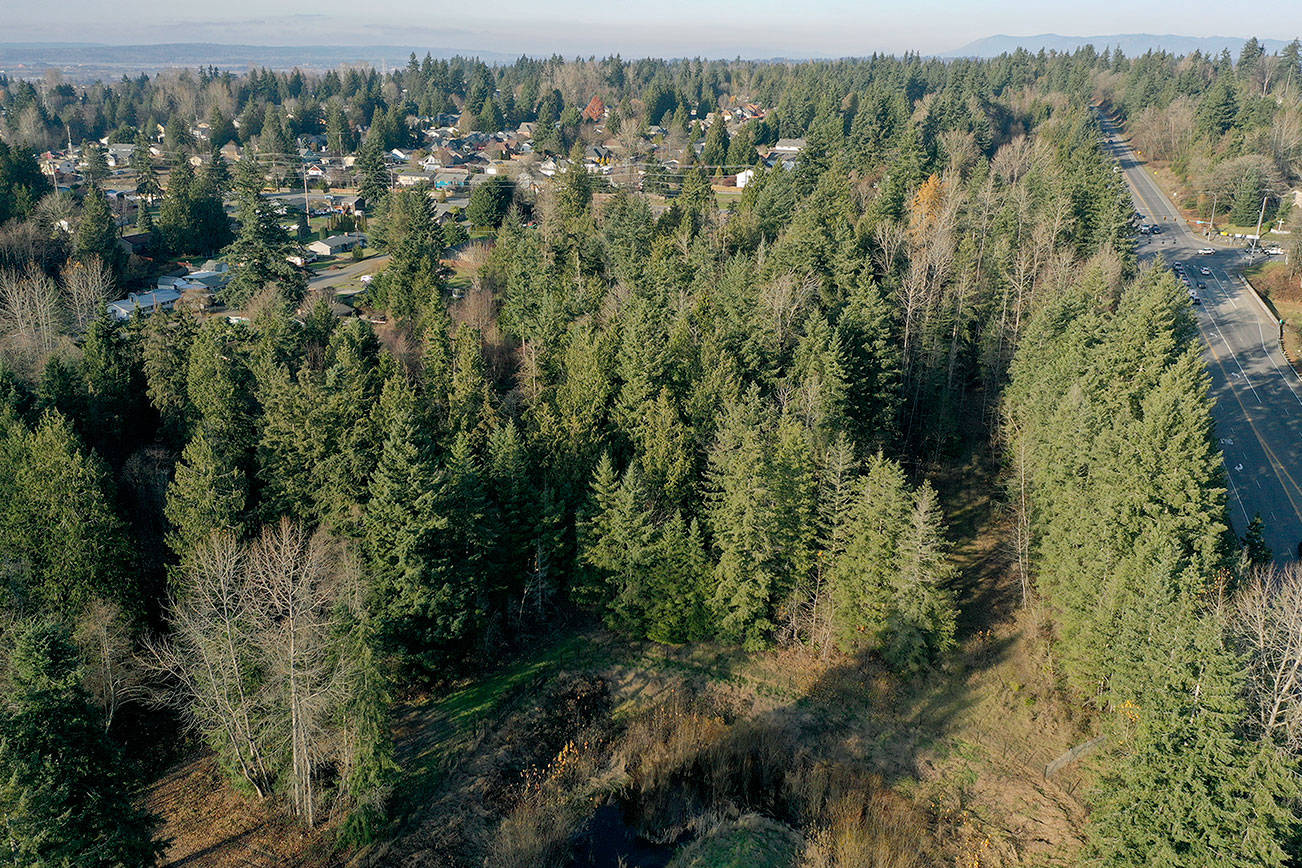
1131	44
18	57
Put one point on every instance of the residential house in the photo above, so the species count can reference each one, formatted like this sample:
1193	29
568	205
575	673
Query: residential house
212	276
337	244
145	302
119	155
411	179
441	158
135	243
779	160
348	204
599	155
451	181
788	146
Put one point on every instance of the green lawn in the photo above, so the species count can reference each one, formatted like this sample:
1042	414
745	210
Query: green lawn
436	730
749	842
727	200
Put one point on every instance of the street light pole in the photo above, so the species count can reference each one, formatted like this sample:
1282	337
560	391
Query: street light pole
1262	216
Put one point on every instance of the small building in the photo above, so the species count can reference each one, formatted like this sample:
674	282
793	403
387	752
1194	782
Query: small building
337	244
744	177
788	146
145	302
214	275
412	179
450	180
118	155
135	243
599	154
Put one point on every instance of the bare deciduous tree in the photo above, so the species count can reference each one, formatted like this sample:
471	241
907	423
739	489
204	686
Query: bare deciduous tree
113	674
1267	617
87	287
211	660
292	585
256	658
31	318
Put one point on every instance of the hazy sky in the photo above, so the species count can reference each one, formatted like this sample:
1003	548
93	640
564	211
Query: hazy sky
753	28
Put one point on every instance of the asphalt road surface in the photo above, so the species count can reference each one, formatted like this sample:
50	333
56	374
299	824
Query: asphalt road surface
1258	396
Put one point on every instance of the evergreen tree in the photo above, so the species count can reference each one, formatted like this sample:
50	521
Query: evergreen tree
258	253
490	201
419	599
490	119
1189	790
22	183
208	494
1219	106
97	236
339	135
921	625
66	794
220	129
97	168
1254	544
175	216
62	536
372	175
114	416
167	340
715	153
868	531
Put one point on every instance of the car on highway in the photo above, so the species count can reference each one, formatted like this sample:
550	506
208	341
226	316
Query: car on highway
1205	251
1194	298
1276	250
1202	285
1205	271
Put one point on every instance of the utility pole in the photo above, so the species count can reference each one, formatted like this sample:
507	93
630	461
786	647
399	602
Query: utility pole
1257	241
1211	221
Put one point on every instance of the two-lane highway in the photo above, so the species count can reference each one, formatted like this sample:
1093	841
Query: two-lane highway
1258	395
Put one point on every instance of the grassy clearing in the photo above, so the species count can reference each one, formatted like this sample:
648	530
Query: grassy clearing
432	733
855	764
709	756
751	841
1273	280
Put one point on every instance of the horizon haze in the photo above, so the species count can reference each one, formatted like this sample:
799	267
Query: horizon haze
674	28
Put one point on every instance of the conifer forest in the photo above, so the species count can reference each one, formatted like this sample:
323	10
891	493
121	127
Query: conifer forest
634	462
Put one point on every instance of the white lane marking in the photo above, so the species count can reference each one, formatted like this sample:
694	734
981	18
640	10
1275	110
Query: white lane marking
1272	353
1216	325
1234	489
1183	230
